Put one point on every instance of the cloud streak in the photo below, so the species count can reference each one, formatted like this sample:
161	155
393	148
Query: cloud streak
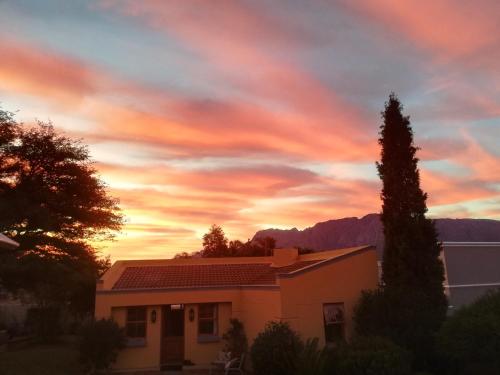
261	115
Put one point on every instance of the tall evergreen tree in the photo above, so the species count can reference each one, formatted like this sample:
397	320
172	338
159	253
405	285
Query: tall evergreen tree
413	273
410	305
411	251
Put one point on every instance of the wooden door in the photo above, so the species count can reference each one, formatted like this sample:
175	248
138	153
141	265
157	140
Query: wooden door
172	345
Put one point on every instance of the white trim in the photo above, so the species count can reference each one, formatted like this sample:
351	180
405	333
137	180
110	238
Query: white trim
471	285
453	244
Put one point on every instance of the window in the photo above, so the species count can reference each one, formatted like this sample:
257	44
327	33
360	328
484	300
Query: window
334	320
207	319
136	322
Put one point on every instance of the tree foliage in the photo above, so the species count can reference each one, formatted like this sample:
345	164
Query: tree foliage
52	203
411	247
100	342
411	305
469	340
216	245
371	355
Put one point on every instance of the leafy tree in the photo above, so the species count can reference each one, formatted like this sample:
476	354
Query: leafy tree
469	340
215	243
411	305
55	206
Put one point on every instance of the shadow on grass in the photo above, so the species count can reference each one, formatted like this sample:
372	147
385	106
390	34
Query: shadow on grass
41	359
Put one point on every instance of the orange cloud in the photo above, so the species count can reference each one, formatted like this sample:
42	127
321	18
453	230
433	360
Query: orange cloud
28	70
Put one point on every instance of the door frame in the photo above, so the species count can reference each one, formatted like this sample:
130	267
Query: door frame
164	313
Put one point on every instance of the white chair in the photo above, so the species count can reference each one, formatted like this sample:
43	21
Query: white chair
235	366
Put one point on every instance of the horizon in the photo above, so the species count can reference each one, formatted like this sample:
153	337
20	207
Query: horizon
254	115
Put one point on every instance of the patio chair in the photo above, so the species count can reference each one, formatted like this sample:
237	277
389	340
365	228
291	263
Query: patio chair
235	366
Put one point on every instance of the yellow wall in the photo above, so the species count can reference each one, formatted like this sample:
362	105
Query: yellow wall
254	307
147	357
303	296
204	353
257	308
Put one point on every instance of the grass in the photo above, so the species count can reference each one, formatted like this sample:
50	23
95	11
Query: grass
56	359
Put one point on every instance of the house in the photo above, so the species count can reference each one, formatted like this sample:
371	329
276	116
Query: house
176	310
471	269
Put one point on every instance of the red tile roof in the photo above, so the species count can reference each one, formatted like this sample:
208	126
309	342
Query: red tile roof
203	275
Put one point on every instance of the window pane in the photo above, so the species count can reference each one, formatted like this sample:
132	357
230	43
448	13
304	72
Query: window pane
136	322
206	327
206	311
333	313
334	317
136	314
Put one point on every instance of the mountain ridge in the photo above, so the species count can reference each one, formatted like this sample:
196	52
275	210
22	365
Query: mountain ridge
367	230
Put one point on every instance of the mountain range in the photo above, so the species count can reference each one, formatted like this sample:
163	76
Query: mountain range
353	231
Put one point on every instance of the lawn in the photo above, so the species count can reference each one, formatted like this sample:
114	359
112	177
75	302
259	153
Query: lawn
56	359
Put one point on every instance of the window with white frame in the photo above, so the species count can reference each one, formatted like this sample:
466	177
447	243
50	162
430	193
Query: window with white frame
136	322
207	319
334	321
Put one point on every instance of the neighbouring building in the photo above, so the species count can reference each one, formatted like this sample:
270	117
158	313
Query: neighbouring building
471	269
176	310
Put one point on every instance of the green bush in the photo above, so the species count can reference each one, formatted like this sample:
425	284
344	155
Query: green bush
44	322
276	350
469	340
312	360
402	316
236	340
371	356
100	342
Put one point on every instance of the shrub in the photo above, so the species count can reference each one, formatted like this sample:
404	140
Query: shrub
412	325
100	342
469	340
275	350
44	322
236	340
371	356
312	360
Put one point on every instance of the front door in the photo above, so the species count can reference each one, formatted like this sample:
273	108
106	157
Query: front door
172	345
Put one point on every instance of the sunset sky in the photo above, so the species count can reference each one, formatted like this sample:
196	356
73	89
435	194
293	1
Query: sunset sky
257	114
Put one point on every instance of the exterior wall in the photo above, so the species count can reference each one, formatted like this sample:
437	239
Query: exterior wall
258	307
203	353
471	271
253	306
145	357
303	296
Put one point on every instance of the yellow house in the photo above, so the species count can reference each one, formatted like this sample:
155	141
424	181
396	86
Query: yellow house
176	310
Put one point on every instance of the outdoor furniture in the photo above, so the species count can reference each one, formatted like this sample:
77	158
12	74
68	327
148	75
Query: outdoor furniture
235	366
219	365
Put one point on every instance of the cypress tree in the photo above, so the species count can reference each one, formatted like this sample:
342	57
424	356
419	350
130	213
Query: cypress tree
413	273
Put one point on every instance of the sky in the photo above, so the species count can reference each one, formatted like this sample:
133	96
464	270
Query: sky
258	114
